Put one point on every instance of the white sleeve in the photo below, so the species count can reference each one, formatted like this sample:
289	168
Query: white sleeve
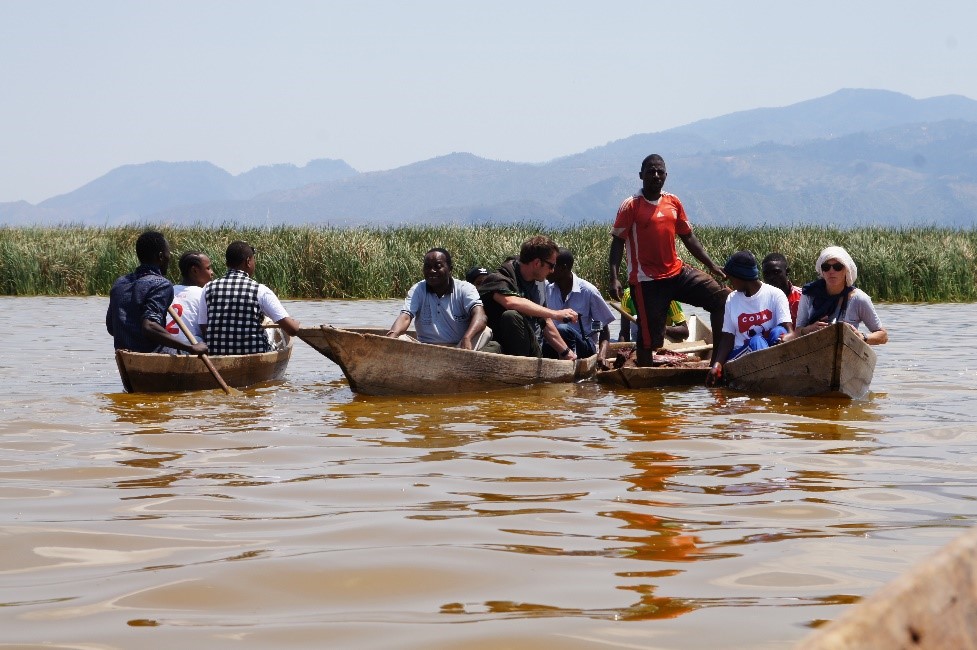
202	308
270	304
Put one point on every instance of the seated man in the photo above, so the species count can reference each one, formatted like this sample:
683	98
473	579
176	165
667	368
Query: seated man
447	311
196	272
756	317
232	308
777	273
676	325
138	302
566	290
476	275
514	303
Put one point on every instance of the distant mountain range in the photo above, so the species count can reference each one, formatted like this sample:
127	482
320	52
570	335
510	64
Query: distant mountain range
855	157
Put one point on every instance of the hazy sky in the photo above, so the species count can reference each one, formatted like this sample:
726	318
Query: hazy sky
87	86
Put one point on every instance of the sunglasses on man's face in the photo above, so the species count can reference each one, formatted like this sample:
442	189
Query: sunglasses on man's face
837	266
549	264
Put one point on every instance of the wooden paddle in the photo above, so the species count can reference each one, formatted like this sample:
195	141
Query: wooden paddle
618	307
203	357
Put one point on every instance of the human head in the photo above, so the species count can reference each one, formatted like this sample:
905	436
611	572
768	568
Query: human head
437	269
476	275
652	174
742	266
152	248
195	268
564	266
237	253
538	255
838	254
240	255
776	272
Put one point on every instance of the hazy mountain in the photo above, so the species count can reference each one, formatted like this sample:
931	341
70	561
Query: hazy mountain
852	157
132	192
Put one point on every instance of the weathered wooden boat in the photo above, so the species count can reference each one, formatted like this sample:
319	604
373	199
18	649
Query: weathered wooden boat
933	606
832	362
164	373
378	365
668	370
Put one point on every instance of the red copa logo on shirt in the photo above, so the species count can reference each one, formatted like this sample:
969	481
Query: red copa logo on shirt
746	321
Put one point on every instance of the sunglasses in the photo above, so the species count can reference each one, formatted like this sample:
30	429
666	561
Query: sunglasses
549	264
837	266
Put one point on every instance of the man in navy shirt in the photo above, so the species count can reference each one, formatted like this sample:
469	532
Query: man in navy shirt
137	303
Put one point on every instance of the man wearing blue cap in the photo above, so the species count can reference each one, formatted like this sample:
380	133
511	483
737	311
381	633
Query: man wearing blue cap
757	315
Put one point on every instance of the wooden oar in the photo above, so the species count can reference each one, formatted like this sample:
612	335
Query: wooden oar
617	306
203	357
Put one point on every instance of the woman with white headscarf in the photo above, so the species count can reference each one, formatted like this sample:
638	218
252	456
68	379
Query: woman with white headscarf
834	297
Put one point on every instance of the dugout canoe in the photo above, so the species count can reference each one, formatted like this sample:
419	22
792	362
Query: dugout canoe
690	372
165	373
832	362
379	365
933	606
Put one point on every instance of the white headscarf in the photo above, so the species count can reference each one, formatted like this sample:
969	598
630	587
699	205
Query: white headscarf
840	254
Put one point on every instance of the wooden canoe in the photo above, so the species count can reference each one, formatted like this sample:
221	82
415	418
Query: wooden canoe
164	373
378	365
832	362
690	373
931	607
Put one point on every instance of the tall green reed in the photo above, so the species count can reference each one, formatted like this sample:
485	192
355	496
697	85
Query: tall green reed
923	264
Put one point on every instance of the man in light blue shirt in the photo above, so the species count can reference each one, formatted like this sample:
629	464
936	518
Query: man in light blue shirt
566	290
445	311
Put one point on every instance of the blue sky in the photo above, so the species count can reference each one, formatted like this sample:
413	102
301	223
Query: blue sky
87	86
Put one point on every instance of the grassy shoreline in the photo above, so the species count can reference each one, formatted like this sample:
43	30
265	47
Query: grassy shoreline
923	264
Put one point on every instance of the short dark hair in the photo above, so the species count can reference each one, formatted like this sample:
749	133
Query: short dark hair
539	247
237	253
565	258
650	159
189	260
775	257
150	246
447	255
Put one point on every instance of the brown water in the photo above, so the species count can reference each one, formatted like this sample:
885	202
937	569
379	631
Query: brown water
301	515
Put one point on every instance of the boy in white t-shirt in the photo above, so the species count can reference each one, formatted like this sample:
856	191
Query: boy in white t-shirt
196	272
757	315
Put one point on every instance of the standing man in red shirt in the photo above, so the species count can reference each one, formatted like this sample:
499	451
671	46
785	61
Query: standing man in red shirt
645	230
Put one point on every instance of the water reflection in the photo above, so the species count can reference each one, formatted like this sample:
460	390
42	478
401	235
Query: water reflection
551	516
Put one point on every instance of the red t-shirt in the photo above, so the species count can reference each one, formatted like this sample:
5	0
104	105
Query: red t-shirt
649	230
793	300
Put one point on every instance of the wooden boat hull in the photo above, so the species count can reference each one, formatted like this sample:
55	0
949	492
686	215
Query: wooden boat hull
691	374
832	362
378	365
931	607
656	377
163	373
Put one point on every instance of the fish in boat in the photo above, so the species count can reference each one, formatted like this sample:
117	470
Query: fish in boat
151	372
380	365
832	362
678	363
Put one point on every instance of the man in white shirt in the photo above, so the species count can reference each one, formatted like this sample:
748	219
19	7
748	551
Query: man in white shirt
757	315
232	308
196	271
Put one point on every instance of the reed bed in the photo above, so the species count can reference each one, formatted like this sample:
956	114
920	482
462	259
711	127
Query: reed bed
923	264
